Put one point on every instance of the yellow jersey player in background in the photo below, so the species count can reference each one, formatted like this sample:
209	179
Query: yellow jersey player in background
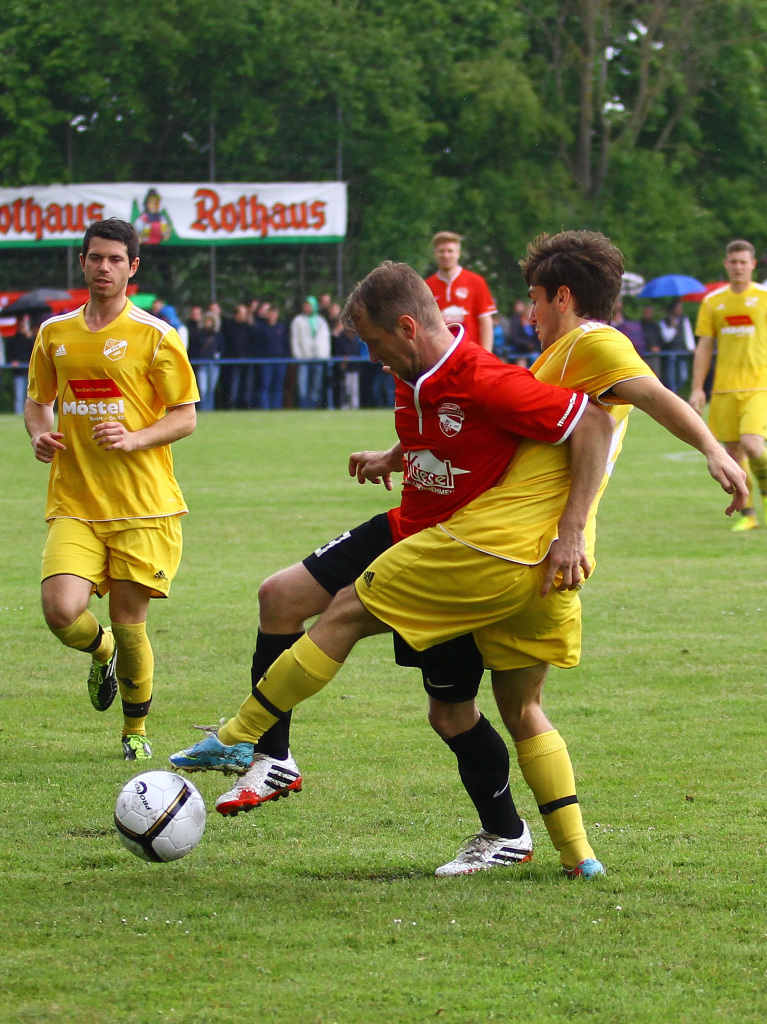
125	390
734	318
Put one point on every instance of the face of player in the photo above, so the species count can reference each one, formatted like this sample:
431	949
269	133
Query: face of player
740	265
545	316
106	267
447	255
394	350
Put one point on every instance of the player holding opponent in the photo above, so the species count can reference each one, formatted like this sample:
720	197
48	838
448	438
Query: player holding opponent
125	391
456	420
462	295
500	578
735	317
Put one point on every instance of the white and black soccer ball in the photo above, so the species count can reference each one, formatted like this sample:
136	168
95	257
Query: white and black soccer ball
160	816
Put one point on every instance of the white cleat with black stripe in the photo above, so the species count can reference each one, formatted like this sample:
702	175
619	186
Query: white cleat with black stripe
267	779
484	851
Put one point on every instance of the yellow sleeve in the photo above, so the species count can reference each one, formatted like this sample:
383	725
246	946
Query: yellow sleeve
704	325
43	384
171	374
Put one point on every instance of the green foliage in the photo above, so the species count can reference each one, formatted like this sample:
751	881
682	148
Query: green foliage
323	907
499	119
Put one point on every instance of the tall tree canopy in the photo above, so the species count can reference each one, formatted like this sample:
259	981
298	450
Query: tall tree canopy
500	119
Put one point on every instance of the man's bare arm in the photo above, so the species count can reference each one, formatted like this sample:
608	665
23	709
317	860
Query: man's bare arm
668	409
589	450
701	364
486	332
179	421
38	419
376	467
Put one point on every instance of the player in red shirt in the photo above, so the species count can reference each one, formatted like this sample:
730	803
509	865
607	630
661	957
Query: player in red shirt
459	414
463	296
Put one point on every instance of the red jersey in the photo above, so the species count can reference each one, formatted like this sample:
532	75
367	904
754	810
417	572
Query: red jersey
463	301
461	423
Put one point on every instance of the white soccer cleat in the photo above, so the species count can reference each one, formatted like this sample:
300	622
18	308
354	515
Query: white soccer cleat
267	779
484	851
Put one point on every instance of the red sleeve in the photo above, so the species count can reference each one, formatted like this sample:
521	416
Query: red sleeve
520	403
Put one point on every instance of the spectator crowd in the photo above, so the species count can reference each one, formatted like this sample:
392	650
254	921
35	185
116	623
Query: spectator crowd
256	358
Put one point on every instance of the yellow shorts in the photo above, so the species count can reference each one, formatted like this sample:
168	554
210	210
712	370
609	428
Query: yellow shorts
146	551
734	413
431	588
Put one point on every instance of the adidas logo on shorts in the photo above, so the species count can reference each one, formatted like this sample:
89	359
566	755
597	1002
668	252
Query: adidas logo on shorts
368	578
160	575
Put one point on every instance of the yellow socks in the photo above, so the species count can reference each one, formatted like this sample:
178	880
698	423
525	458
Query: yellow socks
135	672
547	770
759	472
85	634
298	673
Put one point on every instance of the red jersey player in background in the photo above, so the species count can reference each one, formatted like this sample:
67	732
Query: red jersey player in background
463	296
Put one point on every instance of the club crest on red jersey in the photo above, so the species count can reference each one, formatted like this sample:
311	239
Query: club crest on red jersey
115	350
450	418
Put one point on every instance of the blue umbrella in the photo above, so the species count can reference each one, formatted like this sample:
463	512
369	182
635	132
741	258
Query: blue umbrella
671	285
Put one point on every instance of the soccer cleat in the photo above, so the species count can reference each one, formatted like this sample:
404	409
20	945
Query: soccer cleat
266	779
210	755
136	748
102	682
744	523
588	868
484	851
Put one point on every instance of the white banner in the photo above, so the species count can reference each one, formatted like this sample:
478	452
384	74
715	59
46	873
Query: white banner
215	213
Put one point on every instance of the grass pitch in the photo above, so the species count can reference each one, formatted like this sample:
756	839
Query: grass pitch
322	909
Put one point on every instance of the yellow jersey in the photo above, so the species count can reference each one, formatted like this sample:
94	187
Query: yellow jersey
739	325
517	519
130	371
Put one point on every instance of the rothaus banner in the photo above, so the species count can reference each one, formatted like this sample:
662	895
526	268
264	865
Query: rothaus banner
220	213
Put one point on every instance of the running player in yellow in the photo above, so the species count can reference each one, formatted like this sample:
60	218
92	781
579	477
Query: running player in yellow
125	391
485	569
734	319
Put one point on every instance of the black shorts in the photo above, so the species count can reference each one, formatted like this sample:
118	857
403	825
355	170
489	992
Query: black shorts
451	671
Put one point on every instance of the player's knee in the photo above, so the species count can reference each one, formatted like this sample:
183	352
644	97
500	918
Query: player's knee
60	615
449	720
753	447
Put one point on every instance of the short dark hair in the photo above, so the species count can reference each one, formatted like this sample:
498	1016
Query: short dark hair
117	231
390	291
586	262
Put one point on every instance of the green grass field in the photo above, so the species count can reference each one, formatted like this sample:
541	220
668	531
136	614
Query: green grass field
322	909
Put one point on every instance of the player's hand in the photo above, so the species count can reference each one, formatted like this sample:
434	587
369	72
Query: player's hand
698	400
46	445
374	467
567	560
113	437
731	477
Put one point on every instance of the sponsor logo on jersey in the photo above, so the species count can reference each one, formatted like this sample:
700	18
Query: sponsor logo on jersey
428	473
450	418
742	325
60	351
454	314
462	293
92	398
368	577
115	350
570	405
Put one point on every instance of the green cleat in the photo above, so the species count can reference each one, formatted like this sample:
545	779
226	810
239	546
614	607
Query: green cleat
102	682
136	748
744	523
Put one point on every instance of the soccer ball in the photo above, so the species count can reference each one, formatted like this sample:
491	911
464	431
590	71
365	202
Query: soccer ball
159	816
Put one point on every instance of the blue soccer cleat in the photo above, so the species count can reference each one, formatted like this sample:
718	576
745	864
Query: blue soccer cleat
210	755
588	868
